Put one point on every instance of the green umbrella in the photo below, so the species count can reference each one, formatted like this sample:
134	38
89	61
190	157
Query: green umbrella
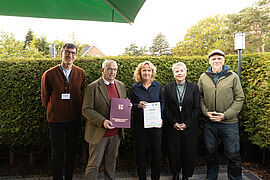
123	11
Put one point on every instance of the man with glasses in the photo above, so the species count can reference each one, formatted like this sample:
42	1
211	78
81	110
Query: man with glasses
61	93
222	98
102	136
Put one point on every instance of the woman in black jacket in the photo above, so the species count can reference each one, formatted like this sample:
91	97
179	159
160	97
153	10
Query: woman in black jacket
182	107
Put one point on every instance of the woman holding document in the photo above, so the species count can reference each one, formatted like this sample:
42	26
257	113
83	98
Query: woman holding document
148	102
182	107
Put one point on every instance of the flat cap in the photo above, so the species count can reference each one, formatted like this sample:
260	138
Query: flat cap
216	51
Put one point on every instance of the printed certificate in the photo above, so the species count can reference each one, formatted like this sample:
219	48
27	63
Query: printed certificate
152	115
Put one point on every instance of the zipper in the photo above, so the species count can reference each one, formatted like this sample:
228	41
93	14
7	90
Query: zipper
215	97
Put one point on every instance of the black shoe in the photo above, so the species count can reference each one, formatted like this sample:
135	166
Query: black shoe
184	178
175	177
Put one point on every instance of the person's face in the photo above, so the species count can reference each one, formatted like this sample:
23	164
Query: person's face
179	73
216	62
109	72
68	56
146	72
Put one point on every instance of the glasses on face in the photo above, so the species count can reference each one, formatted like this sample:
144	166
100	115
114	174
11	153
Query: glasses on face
67	52
111	69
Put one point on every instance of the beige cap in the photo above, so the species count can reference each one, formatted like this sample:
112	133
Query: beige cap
216	51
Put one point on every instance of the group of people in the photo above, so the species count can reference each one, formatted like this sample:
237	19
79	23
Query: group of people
218	95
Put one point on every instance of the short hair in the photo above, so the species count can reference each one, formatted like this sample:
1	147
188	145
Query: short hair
69	46
108	61
179	64
137	73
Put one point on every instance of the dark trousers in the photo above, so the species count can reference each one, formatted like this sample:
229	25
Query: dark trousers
182	152
154	137
63	134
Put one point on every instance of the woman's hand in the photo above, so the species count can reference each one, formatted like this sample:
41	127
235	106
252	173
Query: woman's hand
142	104
180	127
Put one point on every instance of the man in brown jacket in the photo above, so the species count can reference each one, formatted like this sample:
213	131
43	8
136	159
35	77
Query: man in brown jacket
61	93
102	137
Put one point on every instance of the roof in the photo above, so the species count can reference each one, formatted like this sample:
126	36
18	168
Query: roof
88	48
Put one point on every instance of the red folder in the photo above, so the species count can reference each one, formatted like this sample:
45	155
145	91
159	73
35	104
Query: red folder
120	112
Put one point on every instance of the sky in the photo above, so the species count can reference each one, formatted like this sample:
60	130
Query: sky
170	17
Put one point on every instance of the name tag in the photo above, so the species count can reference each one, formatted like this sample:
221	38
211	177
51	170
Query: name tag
65	96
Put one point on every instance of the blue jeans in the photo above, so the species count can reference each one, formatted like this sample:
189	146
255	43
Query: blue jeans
230	137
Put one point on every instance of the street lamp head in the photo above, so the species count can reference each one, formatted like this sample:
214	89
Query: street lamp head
239	40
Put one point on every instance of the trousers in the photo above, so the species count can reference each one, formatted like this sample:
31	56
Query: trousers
229	134
63	135
107	147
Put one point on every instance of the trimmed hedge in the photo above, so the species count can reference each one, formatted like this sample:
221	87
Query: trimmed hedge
22	116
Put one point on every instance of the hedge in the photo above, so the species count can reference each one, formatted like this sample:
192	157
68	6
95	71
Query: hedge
22	116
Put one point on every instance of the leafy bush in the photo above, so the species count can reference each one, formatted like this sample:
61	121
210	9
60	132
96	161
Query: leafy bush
22	116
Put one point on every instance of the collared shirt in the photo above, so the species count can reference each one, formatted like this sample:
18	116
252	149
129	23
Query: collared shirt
107	82
66	72
112	93
181	89
153	94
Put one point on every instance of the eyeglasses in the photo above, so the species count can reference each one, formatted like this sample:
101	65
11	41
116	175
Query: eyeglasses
70	52
111	69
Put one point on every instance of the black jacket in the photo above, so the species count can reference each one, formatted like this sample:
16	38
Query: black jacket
190	108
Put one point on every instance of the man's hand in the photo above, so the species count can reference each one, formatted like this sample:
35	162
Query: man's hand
215	116
108	124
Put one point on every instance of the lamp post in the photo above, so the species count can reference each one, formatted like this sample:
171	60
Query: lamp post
53	51
239	44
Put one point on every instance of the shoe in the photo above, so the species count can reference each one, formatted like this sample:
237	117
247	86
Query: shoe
184	178
175	177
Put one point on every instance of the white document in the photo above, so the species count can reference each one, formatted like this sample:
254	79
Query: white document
152	115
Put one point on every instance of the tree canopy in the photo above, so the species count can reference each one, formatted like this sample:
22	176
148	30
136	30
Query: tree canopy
217	32
134	50
160	46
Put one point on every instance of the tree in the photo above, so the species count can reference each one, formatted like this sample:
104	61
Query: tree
160	46
9	46
133	50
41	45
255	21
28	38
202	38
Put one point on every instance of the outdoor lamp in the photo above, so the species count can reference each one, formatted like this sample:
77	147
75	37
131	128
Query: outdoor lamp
239	44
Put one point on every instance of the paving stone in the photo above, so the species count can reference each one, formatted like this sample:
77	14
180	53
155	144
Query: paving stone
199	174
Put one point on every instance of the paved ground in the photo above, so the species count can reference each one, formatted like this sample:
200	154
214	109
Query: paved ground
199	174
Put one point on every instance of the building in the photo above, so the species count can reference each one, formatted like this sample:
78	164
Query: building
92	51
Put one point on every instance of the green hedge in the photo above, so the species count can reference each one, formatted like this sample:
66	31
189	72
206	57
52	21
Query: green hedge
22	116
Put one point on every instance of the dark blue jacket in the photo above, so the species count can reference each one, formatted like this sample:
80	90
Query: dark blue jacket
139	93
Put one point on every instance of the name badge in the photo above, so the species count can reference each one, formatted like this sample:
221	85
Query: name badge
65	96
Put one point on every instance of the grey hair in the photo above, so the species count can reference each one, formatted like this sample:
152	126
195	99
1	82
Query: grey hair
108	61
179	64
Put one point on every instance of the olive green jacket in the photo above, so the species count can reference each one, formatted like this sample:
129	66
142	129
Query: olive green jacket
96	108
226	96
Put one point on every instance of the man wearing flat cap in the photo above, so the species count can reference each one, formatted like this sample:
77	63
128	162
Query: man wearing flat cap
222	98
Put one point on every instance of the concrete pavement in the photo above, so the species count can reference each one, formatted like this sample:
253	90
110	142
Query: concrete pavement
199	174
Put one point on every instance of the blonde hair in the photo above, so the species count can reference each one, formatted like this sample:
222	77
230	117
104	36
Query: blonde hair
137	73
